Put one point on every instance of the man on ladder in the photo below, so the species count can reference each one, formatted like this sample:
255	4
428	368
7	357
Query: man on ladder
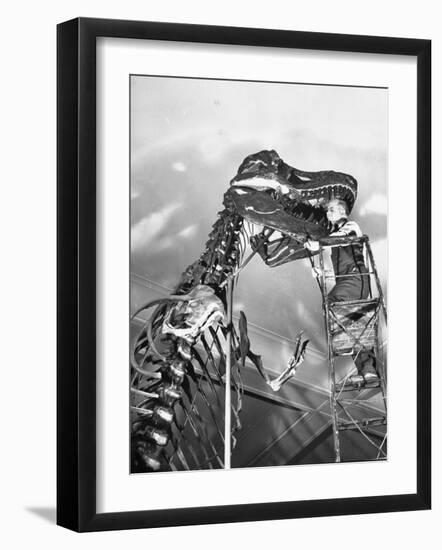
352	278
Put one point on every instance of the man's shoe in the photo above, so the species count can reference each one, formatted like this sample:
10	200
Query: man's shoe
356	380
370	377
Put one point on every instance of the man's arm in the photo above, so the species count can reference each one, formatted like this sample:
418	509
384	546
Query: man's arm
349	229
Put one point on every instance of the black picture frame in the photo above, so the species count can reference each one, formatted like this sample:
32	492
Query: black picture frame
77	287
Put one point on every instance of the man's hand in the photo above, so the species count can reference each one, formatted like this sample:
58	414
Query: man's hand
313	246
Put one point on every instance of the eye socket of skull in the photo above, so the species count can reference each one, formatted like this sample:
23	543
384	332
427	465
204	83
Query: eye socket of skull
197	308
203	309
193	305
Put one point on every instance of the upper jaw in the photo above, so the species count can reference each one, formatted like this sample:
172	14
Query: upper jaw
261	183
316	195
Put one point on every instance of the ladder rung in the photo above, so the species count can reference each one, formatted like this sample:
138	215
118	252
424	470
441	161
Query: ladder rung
351	352
352	274
354	302
364	423
345	240
356	387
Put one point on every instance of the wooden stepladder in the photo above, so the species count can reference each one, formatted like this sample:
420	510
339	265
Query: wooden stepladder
353	327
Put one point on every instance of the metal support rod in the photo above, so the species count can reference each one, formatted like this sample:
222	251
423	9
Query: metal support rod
228	411
238	270
331	364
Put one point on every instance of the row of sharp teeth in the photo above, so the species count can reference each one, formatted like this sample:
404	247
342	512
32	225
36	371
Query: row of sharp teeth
307	213
327	192
316	195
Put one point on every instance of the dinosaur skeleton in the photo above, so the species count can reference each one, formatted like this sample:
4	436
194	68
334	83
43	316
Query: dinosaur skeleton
178	359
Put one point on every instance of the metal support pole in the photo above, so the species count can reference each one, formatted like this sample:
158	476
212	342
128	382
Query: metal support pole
227	402
331	365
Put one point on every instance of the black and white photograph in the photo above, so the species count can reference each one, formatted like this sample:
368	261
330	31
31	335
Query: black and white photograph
258	273
221	230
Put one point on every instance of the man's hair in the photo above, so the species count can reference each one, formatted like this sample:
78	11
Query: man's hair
341	202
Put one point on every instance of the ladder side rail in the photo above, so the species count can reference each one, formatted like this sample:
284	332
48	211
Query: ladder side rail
370	269
379	363
381	369
378	282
